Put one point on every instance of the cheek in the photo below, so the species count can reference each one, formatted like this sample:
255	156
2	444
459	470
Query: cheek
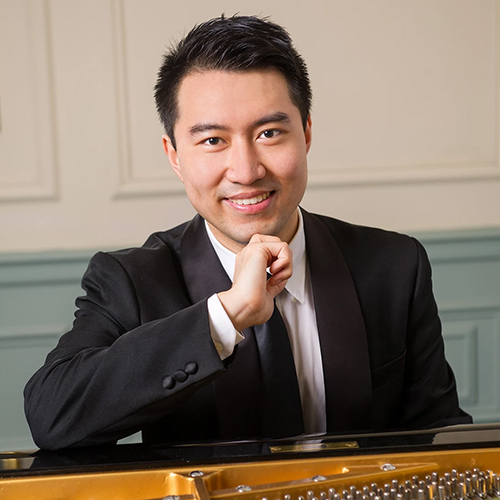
200	177
290	166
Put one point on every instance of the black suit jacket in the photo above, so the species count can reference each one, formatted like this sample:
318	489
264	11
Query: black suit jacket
140	355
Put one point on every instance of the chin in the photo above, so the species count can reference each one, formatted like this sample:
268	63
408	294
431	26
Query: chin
242	239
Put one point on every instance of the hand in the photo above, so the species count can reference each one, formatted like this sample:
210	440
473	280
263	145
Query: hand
250	300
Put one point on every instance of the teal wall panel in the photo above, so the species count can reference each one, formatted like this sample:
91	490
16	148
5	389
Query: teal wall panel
37	293
19	355
466	275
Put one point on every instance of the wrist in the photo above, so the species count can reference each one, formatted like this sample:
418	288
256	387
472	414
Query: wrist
234	310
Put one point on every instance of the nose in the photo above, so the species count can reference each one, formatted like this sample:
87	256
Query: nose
244	165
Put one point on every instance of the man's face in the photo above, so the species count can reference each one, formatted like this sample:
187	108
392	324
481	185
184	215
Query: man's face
241	153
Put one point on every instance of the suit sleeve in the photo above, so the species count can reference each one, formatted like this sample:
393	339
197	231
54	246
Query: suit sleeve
113	373
431	398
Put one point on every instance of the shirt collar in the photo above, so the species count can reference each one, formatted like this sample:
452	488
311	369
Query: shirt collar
296	284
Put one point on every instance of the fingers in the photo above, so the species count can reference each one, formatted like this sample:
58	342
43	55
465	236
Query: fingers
275	287
282	263
250	299
278	253
263	238
278	258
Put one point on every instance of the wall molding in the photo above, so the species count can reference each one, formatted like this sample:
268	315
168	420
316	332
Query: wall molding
43	183
469	245
347	175
403	174
466	335
43	267
462	246
470	308
136	181
32	335
131	182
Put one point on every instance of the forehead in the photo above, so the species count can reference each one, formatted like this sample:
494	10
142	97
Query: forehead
233	95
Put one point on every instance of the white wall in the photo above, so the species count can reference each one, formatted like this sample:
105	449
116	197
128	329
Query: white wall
405	118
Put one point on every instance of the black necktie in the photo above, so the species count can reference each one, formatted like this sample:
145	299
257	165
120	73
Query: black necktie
281	407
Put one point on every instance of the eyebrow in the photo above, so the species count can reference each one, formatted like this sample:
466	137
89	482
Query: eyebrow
204	127
278	117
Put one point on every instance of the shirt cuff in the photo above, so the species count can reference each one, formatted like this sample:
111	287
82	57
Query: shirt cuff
222	331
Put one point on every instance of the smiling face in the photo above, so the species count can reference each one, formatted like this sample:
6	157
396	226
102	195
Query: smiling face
241	153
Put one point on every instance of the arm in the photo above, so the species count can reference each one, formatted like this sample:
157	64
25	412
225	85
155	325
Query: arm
431	398
106	378
137	351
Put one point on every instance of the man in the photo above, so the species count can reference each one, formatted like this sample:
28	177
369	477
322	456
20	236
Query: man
168	340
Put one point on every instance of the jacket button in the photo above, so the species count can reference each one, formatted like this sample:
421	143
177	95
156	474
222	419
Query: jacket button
191	368
168	382
180	375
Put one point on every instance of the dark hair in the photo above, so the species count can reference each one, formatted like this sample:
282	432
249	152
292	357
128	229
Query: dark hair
238	43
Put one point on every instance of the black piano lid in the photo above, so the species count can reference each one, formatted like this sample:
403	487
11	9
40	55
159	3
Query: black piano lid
140	456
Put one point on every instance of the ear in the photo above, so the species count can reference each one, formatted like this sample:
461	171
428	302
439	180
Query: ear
308	133
172	156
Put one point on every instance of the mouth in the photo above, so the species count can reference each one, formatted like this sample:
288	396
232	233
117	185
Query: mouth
250	201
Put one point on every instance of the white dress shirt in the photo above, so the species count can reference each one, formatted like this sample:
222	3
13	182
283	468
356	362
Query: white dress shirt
296	305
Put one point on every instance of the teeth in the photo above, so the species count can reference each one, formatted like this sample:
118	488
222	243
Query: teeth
252	201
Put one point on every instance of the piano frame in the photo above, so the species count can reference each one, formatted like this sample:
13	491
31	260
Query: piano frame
305	467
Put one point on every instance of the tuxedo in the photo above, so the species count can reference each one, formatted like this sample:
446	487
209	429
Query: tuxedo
140	355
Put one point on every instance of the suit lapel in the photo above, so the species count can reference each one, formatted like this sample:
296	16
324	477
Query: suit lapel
342	334
237	390
203	273
341	328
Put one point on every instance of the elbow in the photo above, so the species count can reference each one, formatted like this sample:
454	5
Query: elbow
45	434
47	429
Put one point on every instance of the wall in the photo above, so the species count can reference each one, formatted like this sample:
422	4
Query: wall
406	109
406	137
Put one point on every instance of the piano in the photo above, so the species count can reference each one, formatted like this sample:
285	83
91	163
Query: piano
452	463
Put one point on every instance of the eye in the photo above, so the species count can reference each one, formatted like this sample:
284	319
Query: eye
270	134
212	141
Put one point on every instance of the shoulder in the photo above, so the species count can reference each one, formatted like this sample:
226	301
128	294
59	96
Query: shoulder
158	243
170	238
160	251
352	235
368	245
134	278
